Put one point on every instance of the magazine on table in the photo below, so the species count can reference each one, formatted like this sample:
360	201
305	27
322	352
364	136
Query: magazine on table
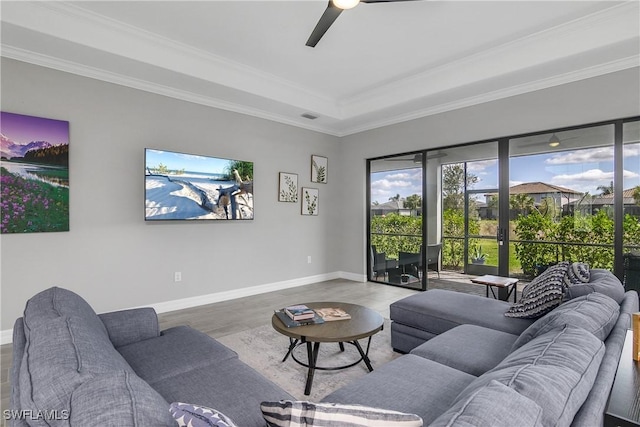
330	314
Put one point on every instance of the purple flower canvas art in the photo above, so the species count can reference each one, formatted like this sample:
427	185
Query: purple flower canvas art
34	174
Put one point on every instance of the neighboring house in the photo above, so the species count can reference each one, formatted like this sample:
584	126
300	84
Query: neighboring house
605	201
539	191
392	206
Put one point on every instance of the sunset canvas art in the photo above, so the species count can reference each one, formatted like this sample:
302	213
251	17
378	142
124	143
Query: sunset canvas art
34	173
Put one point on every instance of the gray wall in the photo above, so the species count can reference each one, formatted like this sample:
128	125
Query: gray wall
116	260
612	96
111	256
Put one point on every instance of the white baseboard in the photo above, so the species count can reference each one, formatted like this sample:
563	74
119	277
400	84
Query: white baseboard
6	336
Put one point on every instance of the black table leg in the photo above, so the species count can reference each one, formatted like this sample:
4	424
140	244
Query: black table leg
365	356
341	346
313	358
292	345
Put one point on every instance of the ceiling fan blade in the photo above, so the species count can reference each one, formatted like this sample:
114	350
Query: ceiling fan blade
330	14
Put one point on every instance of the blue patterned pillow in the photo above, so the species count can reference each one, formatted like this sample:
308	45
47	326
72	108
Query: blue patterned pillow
289	413
542	295
190	415
577	274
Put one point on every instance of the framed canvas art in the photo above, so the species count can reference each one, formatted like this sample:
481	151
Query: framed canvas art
310	201
288	187
319	169
34	171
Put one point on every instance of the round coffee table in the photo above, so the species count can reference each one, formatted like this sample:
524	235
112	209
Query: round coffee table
364	323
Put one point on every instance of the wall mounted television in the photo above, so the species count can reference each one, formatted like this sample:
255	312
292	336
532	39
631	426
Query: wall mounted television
180	186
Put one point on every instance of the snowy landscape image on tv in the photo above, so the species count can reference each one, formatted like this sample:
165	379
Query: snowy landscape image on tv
180	186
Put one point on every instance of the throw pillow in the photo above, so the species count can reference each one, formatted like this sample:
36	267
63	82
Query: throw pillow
289	413
542	295
595	312
188	415
602	281
577	274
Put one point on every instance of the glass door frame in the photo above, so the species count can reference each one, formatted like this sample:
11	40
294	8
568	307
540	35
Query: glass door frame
369	252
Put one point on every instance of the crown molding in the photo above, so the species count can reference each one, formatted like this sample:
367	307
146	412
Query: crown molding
595	71
72	23
272	98
571	38
148	86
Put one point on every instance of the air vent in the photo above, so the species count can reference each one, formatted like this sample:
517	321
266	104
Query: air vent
308	116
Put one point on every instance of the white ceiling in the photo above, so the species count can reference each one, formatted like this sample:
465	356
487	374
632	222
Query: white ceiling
378	64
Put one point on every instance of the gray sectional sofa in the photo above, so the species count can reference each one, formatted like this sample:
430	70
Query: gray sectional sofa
468	364
118	369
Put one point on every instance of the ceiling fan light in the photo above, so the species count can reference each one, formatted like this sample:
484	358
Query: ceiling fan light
554	141
345	4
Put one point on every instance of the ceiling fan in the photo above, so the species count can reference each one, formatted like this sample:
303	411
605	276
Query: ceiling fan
331	13
553	142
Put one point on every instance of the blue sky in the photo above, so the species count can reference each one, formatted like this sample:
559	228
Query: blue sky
188	162
579	170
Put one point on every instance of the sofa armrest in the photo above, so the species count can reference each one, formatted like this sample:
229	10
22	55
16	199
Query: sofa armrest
129	326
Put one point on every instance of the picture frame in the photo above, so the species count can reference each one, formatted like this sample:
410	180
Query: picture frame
309	201
319	166
288	187
35	174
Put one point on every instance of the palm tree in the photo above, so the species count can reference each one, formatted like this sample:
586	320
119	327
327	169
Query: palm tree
605	190
522	202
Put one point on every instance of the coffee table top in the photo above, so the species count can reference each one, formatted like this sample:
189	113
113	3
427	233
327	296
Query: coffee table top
501	282
364	322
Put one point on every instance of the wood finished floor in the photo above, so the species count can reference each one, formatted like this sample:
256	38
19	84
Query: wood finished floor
229	317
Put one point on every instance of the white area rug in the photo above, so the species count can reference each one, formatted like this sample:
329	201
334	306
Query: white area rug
263	348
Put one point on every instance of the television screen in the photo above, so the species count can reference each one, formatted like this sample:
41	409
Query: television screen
181	186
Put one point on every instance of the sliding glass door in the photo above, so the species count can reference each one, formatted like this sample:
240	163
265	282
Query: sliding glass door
509	207
396	249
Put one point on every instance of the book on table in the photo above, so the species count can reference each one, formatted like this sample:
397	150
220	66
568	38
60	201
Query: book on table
290	323
299	312
330	314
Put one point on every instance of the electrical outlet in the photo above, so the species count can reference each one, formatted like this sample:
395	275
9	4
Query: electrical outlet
177	276
309	259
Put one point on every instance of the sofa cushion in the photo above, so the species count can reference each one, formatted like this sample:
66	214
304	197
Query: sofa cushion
577	273
595	312
175	351
602	281
556	370
188	415
289	413
494	405
409	384
489	347
230	386
436	311
542	295
63	349
55	302
118	399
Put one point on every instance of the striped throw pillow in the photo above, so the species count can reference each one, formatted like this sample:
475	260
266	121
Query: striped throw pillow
289	413
188	415
542	295
577	274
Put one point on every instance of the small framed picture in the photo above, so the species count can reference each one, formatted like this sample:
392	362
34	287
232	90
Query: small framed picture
288	187
310	201
319	169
